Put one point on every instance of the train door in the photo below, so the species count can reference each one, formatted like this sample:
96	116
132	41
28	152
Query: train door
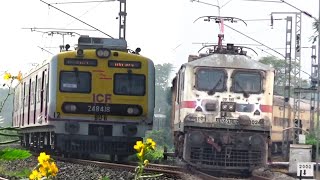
177	100
38	97
27	102
45	93
173	102
32	103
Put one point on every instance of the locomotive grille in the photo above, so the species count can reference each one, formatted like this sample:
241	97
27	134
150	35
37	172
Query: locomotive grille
227	157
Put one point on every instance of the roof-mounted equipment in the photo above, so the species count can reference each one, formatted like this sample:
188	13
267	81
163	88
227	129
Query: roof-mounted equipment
86	42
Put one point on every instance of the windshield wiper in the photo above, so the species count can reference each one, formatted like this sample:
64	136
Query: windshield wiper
245	93
212	90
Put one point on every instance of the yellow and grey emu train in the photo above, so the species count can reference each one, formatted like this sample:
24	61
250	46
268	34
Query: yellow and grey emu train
222	110
96	99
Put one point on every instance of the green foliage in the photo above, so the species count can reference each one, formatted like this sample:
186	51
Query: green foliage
13	154
279	66
162	90
311	139
105	178
6	103
8	135
162	137
154	156
315	27
21	174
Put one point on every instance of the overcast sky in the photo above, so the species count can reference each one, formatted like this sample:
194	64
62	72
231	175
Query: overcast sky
163	29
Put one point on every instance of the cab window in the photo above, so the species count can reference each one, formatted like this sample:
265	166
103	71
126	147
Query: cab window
75	81
209	79
129	84
249	82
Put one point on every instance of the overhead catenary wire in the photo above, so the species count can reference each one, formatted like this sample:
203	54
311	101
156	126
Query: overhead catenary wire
84	13
254	40
81	2
77	19
43	49
304	12
268	1
66	29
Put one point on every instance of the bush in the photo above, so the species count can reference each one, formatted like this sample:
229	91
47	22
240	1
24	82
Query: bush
162	137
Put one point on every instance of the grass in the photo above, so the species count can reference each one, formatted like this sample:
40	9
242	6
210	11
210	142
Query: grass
24	173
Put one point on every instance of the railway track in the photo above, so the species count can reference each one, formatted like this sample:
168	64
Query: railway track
206	176
171	171
167	170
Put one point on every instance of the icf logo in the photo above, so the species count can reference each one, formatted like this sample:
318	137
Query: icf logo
101	98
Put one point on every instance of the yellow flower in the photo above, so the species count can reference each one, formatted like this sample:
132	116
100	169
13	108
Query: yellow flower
146	162
43	158
141	153
151	143
7	76
139	145
19	76
43	171
54	169
35	175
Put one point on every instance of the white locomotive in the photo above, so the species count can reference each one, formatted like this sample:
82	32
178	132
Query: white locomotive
222	110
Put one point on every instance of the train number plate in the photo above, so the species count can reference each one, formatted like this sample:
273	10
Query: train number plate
227	121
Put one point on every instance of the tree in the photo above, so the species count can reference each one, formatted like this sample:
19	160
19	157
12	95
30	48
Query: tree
315	27
6	106
162	82
162	105
279	66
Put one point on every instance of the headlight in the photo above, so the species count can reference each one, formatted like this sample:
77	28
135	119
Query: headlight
133	111
228	106
70	108
231	107
224	107
103	53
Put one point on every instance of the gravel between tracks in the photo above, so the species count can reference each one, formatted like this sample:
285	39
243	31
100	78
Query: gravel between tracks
71	171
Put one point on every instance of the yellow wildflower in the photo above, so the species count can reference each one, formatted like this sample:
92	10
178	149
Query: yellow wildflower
146	162
139	145
19	76
54	169
7	76
35	175
43	157
43	171
151	143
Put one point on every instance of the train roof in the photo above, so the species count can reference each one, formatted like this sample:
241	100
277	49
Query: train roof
230	61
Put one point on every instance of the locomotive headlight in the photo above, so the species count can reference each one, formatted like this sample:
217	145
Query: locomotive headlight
133	111
231	107
224	107
70	108
103	53
130	110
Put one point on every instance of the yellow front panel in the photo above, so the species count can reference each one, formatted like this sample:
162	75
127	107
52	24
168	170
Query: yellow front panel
102	83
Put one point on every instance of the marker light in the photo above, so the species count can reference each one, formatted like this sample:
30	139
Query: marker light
80	52
103	53
70	108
